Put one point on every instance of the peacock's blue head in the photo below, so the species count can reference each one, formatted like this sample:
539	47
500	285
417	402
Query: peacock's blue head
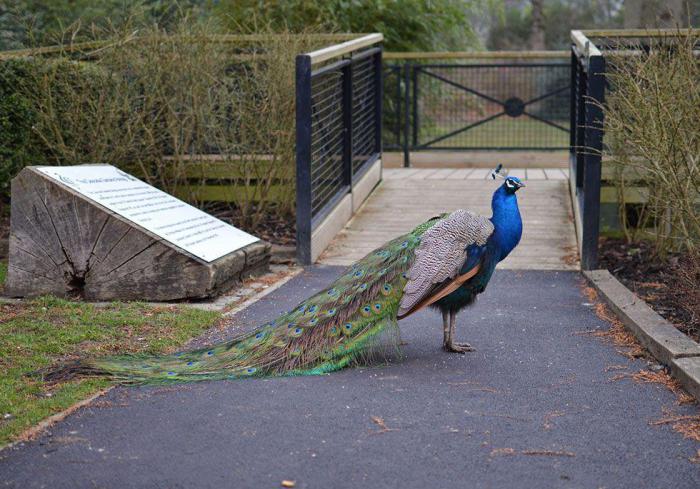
511	184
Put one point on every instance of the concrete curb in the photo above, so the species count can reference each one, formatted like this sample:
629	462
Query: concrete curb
662	339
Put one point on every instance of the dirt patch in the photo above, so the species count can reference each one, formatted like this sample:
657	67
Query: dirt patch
273	228
668	284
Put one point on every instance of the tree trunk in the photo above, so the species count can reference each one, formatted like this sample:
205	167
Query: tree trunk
64	244
641	14
537	41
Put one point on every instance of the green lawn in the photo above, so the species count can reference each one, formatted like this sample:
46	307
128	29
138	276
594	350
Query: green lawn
501	132
45	331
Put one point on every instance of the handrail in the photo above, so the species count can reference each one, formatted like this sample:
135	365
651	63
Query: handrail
478	55
338	50
222	38
638	32
585	46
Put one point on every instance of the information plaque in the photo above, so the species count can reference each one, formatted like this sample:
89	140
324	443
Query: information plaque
168	217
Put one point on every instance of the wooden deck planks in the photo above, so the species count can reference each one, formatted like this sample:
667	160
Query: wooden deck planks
408	197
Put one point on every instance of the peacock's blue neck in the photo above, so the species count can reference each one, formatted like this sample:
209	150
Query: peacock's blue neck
506	221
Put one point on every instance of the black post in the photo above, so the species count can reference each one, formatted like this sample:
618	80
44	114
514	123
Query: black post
378	100
347	124
572	115
303	157
414	80
407	117
581	93
592	162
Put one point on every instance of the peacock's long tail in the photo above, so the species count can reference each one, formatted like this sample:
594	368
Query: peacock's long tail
326	332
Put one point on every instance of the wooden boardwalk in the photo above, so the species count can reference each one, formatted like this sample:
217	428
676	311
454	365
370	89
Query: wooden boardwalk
407	197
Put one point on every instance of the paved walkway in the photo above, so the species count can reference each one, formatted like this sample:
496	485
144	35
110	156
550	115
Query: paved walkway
533	407
407	197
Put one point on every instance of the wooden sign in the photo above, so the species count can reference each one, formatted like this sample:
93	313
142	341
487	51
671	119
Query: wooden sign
183	225
96	232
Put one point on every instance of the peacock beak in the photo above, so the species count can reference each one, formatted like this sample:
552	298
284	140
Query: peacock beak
521	184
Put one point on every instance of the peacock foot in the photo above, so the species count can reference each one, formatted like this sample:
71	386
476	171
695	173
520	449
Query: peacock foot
459	347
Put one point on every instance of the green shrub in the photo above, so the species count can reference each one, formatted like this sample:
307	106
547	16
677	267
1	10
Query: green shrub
179	108
17	116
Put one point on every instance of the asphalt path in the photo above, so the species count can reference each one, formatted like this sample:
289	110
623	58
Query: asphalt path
534	407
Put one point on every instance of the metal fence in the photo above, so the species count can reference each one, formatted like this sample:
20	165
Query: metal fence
586	143
483	103
338	124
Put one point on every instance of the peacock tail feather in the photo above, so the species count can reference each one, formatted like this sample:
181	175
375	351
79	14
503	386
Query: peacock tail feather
326	332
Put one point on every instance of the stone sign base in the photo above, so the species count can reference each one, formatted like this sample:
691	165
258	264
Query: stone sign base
64	244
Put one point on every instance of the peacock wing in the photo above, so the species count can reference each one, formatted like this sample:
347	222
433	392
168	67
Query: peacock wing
440	256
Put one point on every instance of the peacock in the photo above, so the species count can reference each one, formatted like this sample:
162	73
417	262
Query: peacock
444	263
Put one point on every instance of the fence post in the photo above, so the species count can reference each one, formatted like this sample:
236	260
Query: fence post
406	114
347	124
303	158
414	80
378	100
592	162
573	124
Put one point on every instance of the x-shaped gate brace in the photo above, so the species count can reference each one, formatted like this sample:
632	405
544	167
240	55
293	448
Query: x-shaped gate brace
513	106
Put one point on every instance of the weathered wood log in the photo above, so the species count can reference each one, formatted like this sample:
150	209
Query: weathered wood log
62	243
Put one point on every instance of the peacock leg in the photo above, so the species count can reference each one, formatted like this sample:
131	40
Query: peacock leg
452	345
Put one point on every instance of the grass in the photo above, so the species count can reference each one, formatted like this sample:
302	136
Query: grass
42	332
501	132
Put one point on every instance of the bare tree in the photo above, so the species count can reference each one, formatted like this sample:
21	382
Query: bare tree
655	13
537	30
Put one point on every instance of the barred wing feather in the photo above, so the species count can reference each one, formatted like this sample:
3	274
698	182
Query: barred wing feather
441	254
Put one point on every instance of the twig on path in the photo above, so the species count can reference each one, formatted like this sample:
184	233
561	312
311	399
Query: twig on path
661	377
696	458
687	425
615	367
549	453
543	453
675	419
547	421
495	415
382	426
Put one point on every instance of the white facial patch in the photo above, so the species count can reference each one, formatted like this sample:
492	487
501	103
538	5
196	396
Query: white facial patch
510	184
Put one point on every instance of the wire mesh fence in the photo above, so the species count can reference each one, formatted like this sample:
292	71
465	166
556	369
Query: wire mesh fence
338	133
469	106
326	138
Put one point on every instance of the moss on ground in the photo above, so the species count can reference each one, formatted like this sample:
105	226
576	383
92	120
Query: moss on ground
42	332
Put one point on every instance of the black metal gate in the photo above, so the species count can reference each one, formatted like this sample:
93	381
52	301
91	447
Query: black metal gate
487	106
